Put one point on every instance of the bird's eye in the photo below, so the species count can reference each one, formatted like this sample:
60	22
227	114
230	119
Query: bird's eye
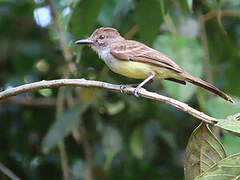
101	37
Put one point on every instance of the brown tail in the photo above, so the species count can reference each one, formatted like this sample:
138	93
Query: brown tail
206	85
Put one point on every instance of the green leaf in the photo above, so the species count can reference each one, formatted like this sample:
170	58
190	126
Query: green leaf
148	17
106	16
190	4
231	124
231	143
136	145
202	152
112	144
186	5
115	108
64	18
83	17
45	92
188	54
122	9
231	74
63	126
219	108
228	168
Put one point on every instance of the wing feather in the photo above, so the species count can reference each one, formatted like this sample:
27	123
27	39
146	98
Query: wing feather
129	50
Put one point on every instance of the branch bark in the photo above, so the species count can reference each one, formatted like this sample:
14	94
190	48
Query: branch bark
113	87
8	172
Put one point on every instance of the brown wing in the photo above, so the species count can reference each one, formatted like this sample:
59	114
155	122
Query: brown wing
130	50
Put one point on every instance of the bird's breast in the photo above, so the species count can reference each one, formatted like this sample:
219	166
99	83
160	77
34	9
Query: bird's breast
128	68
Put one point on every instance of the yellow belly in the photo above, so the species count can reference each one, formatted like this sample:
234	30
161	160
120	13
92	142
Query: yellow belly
139	70
132	69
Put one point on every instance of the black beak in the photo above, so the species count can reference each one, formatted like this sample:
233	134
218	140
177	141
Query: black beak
84	41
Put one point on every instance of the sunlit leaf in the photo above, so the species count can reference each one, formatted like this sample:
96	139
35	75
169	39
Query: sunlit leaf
190	4
42	65
231	124
202	152
64	18
45	92
228	168
63	126
114	108
136	145
67	2
187	53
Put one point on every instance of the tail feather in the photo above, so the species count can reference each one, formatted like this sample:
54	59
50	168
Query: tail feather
206	85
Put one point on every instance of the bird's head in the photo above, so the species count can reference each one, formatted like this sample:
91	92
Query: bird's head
101	38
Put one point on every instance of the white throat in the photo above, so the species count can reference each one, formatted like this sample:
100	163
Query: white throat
103	53
107	57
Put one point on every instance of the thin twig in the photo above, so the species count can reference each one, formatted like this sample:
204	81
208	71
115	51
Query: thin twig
88	152
90	83
131	32
214	14
8	172
64	160
80	135
66	53
61	144
206	58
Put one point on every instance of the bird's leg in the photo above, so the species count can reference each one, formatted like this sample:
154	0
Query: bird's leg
148	79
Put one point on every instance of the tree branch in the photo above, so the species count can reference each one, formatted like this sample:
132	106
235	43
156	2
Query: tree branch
214	14
64	160
66	53
8	172
113	87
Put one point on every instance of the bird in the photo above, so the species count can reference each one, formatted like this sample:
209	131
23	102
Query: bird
136	60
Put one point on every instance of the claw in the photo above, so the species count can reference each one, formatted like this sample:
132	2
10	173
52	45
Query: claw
135	92
122	87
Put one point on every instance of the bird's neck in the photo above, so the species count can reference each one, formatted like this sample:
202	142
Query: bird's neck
103	52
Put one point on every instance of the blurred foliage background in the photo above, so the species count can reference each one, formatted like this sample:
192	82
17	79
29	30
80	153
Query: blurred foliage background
81	133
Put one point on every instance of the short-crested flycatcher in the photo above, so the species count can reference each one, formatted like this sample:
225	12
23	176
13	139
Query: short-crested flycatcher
136	60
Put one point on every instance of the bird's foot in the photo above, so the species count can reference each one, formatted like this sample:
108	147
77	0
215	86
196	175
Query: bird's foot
135	92
123	86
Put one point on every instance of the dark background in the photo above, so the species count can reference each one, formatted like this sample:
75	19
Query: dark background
115	136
